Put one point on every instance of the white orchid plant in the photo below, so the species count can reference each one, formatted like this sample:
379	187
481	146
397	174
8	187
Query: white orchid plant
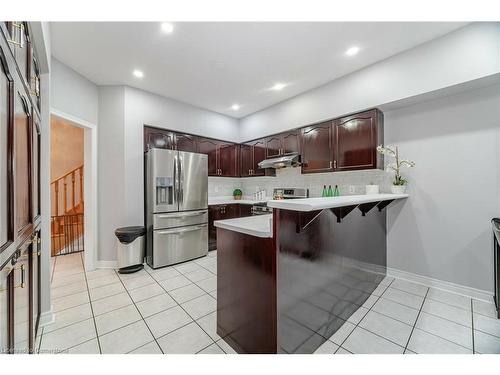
398	163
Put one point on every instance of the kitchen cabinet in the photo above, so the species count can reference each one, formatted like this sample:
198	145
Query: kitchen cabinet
282	144
34	285
6	298
22	155
186	142
228	160
317	148
158	138
34	80
356	139
209	147
21	302
251	154
19	40
223	212
35	166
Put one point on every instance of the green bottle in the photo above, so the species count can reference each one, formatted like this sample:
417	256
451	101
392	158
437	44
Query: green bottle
330	192
336	192
324	193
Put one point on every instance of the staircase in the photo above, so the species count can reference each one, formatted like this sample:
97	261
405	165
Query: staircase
67	213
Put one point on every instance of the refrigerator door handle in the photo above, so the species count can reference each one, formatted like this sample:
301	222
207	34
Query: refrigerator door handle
181	230
181	181
176	184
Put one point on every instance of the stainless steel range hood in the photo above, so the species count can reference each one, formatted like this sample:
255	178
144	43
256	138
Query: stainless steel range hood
291	160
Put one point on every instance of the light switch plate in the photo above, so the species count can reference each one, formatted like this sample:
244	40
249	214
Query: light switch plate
352	189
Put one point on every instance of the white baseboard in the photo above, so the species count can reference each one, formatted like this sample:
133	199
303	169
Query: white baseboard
106	264
47	317
443	285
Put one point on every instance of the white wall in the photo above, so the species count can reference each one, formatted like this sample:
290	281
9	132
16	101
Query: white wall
123	111
110	169
467	54
72	93
443	231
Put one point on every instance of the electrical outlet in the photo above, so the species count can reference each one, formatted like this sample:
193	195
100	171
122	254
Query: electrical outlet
352	189
216	188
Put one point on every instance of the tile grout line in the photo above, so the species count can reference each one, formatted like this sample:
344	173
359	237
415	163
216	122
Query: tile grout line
357	324
418	315
194	320
140	314
92	309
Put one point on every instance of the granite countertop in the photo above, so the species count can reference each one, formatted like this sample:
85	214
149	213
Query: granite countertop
258	226
313	204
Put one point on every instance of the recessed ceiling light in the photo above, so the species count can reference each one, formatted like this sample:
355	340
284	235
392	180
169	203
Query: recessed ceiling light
138	73
235	107
167	27
278	86
352	51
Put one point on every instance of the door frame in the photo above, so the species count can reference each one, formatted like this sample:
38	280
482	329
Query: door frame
89	186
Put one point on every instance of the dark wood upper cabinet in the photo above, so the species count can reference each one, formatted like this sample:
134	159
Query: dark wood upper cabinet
273	146
186	142
259	154
246	160
282	144
356	140
290	142
317	148
158	138
35	166
22	156
209	147
228	160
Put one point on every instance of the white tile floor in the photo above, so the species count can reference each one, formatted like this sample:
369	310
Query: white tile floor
173	310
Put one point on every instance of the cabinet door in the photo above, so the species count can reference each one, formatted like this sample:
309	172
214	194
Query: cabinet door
158	138
246	160
21	318
34	284
290	142
228	160
356	141
35	166
317	148
213	214
6	299
231	211
186	142
6	150
23	53
259	154
209	147
22	162
34	80
273	146
245	210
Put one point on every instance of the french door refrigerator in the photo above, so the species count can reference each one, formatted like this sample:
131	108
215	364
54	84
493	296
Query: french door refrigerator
176	203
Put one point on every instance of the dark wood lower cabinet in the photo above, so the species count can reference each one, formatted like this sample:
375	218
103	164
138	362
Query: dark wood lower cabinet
223	212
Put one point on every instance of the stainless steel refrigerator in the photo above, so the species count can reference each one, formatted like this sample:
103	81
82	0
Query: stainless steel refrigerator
176	203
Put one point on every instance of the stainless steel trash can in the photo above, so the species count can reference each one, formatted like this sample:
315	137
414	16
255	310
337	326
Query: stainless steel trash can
130	248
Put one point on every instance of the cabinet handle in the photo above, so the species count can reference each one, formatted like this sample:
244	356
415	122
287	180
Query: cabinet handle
335	164
23	276
331	164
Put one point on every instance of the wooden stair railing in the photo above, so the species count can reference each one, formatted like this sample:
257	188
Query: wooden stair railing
67	218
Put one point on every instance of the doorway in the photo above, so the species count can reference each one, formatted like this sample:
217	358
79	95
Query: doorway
73	162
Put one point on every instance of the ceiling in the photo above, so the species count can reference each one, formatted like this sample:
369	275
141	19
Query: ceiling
215	65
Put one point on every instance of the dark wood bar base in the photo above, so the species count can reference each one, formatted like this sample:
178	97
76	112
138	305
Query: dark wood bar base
290	293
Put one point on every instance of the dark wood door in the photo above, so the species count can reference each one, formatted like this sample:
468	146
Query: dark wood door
34	286
6	150
21	301
22	157
158	138
273	146
290	142
186	142
213	215
228	160
230	211
246	160
356	141
259	154
245	210
6	299
317	148
209	147
35	167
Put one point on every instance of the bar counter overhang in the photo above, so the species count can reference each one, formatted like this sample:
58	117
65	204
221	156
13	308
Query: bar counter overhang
290	292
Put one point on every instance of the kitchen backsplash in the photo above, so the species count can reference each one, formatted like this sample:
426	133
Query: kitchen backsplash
291	177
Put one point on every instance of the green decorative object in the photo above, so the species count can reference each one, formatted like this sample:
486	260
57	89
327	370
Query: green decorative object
237	194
